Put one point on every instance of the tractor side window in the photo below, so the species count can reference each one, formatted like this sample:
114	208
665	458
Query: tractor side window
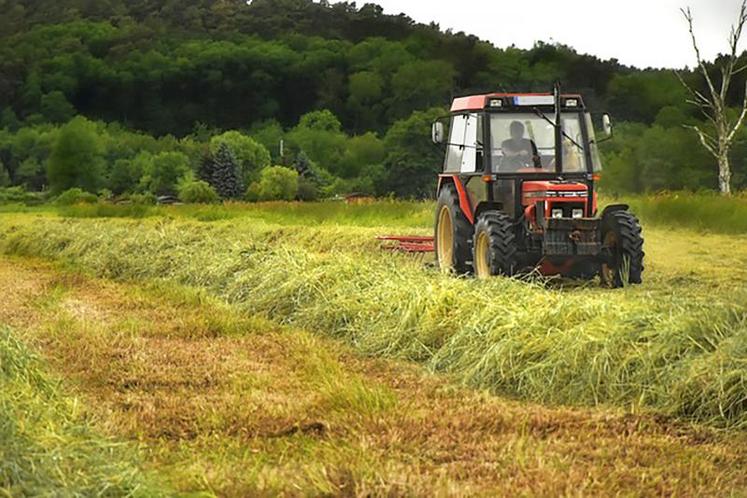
596	161
573	152
462	151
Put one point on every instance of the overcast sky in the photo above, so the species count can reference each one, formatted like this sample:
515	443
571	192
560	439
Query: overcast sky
643	33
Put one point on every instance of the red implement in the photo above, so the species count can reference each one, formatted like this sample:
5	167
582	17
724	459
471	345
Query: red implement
407	243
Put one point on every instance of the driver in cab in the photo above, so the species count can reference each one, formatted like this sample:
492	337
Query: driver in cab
519	152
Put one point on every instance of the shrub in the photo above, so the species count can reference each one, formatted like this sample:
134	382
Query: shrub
144	199
196	191
276	183
18	195
75	195
307	190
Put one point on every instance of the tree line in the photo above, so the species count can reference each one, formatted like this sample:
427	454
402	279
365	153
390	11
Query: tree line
348	89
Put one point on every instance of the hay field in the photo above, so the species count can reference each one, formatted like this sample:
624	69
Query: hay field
663	363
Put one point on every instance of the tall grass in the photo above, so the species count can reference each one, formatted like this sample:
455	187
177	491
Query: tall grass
47	447
680	353
702	211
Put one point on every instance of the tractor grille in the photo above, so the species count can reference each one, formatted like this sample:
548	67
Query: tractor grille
572	237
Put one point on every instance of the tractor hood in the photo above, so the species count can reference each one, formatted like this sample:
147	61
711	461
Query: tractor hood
538	190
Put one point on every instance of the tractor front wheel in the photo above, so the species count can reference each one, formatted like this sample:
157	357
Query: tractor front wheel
622	244
453	233
494	245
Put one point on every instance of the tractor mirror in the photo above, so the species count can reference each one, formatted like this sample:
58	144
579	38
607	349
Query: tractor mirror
607	124
437	132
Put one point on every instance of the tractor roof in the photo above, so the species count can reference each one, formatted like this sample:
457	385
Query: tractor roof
509	100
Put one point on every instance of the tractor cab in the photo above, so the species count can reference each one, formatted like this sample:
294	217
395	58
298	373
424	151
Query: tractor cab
518	190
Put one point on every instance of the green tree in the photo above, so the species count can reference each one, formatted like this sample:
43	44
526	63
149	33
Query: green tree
4	176
164	171
31	93
319	134
196	191
77	158
30	173
364	101
361	153
420	85
250	155
125	174
269	133
9	120
412	163
276	183
56	108
225	173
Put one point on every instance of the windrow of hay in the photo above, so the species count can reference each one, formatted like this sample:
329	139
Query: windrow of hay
47	447
680	353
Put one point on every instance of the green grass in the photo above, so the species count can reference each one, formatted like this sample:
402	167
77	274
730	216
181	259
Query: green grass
677	345
399	213
706	212
47	446
701	211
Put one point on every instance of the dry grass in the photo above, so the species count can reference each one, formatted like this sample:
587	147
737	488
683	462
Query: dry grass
48	446
238	406
675	344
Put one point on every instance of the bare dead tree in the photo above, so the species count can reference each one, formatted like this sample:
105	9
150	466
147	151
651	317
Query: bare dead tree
712	102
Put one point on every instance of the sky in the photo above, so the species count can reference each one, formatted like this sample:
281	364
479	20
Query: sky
642	33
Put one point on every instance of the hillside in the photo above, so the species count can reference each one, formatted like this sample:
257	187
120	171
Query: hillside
191	69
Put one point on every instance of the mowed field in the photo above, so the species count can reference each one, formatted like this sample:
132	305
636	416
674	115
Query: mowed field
275	349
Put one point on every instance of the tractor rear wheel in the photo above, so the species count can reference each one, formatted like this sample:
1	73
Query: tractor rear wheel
623	243
453	233
494	245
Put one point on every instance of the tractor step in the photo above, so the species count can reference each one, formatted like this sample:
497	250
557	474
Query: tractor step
407	243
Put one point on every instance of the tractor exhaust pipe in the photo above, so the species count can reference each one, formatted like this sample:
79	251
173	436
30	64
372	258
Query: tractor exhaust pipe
558	131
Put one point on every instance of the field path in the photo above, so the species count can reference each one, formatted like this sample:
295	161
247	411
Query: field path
236	406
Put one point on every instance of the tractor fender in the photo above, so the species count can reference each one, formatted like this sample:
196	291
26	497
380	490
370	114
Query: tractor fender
464	202
613	208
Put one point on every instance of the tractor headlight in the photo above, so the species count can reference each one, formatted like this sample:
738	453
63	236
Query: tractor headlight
557	213
578	213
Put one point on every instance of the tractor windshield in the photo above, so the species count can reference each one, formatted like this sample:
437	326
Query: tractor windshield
525	143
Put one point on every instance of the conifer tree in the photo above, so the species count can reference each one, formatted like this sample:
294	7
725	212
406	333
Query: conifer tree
225	173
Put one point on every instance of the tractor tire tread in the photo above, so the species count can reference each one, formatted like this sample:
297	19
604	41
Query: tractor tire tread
631	242
462	230
502	241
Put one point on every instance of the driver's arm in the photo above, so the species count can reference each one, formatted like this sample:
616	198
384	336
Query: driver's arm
536	160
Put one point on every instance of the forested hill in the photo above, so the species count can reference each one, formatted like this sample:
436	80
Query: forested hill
193	68
162	66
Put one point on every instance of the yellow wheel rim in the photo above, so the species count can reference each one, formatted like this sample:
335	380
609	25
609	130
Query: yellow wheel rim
445	240
482	256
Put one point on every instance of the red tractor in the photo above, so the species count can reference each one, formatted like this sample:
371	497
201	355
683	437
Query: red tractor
517	192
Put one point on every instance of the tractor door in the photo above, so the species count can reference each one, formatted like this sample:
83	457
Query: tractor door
464	154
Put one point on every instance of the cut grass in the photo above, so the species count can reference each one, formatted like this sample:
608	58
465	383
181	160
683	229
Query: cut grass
47	446
677	345
399	213
237	406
